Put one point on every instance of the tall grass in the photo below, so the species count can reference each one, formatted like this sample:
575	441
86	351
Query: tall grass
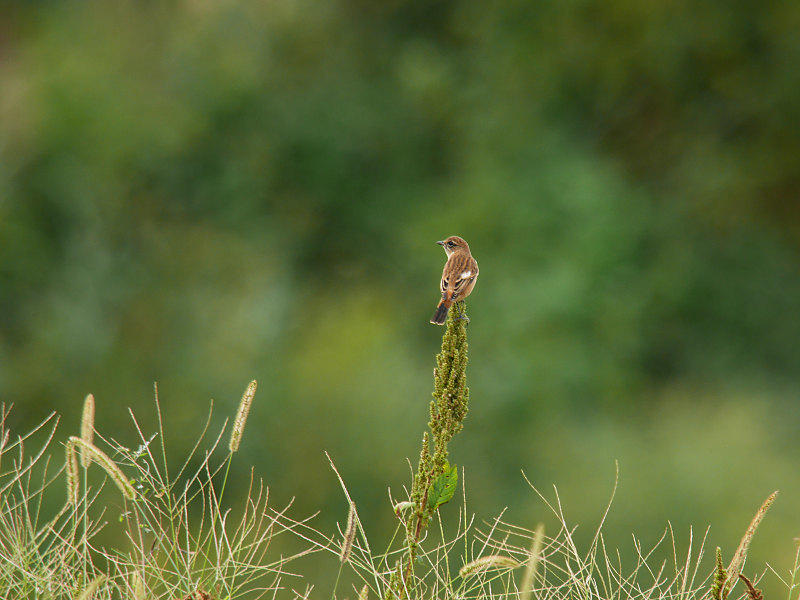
178	537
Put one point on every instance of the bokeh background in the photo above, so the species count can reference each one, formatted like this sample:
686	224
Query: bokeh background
201	193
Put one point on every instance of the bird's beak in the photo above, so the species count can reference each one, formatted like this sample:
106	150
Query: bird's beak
440	242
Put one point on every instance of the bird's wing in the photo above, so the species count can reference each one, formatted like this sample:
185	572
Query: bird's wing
459	273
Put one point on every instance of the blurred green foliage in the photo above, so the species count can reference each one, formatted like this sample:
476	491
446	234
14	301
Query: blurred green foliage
200	193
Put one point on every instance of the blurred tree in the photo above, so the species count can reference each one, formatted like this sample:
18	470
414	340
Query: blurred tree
204	193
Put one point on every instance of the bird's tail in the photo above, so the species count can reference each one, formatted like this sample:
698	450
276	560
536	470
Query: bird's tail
440	316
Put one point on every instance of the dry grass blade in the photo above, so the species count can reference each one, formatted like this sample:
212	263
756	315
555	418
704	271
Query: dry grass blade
87	428
485	563
241	416
532	564
349	535
737	562
752	592
108	465
93	586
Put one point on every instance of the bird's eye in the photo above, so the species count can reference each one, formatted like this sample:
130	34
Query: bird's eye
451	243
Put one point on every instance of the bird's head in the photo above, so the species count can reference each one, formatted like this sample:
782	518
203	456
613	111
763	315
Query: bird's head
453	244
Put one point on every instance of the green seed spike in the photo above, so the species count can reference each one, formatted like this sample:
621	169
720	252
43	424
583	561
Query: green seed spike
718	591
435	481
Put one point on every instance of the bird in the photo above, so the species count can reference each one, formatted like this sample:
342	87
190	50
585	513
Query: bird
458	277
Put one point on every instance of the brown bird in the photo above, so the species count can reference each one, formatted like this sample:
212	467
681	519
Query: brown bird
458	277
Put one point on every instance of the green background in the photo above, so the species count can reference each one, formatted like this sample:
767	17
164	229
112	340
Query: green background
201	193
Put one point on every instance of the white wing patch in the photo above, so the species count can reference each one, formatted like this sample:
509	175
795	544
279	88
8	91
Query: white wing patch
465	274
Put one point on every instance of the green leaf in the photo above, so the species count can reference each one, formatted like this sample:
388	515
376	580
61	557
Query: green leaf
443	488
